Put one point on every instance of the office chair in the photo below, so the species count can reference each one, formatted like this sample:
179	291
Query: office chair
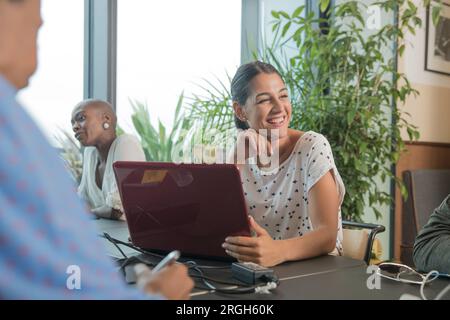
426	189
358	242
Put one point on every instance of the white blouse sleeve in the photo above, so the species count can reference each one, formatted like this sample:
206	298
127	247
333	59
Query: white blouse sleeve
319	162
85	176
127	148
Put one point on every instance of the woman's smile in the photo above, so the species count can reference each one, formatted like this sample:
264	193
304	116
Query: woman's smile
277	122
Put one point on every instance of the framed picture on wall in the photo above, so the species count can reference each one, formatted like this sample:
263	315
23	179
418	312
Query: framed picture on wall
437	43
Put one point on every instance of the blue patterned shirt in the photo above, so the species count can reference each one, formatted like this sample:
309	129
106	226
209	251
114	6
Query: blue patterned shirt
46	236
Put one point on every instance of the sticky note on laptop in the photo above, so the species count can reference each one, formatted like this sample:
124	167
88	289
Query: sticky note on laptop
153	176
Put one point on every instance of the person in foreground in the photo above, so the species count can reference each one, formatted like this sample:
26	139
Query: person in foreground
45	232
294	205
432	245
94	124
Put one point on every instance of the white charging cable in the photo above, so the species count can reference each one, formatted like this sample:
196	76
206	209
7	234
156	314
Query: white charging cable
425	281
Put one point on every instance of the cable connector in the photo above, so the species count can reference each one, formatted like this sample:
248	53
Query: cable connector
266	289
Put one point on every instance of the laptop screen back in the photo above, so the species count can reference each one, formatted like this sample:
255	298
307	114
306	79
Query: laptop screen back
187	207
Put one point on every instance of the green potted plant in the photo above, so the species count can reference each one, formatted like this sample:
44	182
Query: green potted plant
158	143
70	152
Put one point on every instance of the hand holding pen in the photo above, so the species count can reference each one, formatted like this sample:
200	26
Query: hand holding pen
167	278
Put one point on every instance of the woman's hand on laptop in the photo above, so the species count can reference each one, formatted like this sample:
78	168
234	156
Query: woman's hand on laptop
173	281
261	249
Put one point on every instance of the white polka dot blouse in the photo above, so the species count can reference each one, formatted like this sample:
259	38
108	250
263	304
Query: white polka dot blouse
278	199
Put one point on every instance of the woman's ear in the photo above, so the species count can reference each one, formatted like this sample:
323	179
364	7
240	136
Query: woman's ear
106	117
239	112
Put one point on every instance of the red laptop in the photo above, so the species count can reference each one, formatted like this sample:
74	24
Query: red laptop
187	207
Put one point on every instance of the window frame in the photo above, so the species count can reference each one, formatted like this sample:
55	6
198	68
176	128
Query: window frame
100	38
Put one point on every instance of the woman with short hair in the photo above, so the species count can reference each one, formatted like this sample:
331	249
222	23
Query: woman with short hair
94	123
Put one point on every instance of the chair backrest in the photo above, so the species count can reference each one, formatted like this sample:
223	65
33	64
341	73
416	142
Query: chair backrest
426	190
359	239
355	243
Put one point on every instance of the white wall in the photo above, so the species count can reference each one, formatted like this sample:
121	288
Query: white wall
430	111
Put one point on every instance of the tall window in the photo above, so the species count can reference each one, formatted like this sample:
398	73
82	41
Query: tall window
58	83
166	47
266	19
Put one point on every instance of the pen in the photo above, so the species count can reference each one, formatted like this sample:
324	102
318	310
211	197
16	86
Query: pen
170	258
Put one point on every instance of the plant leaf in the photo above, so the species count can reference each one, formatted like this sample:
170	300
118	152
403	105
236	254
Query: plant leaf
284	14
298	11
324	5
436	14
285	29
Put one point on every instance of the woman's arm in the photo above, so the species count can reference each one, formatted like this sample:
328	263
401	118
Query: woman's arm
323	208
263	250
127	148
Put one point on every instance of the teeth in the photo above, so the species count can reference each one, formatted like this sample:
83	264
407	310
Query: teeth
276	120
